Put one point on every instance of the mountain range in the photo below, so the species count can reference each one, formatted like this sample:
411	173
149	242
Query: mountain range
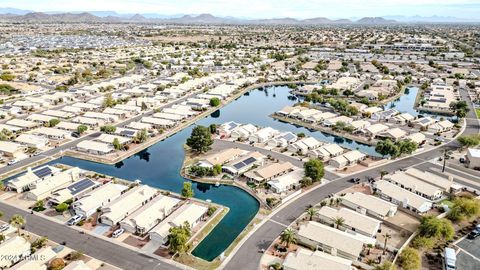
19	15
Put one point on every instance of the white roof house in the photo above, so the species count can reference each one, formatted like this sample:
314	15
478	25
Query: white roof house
157	122
190	212
472	158
13	250
347	159
416	137
30	177
67	126
147	217
43	189
403	197
262	135
42	257
51	133
11	149
77	265
332	121
93	147
352	220
109	138
22	123
304	259
375	129
415	185
126	204
89	203
330	240
243	132
444	183
102	116
88	121
31	140
287	181
304	145
368	204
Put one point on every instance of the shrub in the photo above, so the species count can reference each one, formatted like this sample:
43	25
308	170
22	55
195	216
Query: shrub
410	259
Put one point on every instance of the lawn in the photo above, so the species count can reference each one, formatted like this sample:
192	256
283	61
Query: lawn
478	112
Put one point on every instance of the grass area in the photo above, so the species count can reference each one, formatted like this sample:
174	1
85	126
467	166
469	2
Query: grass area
210	226
447	202
478	112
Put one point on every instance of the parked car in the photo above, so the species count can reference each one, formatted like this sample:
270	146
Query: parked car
462	160
4	227
473	234
117	233
74	220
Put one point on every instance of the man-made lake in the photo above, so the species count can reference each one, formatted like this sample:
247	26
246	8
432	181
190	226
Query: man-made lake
159	165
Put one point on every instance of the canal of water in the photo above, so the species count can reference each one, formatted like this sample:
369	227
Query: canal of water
160	164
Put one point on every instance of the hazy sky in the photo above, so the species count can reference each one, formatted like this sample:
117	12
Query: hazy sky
263	8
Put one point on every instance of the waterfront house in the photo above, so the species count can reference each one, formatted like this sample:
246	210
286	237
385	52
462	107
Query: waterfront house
286	182
244	163
222	157
27	180
269	172
126	204
147	217
43	189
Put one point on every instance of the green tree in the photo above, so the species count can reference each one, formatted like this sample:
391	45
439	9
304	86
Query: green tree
314	169
433	227
215	102
464	208
385	266
108	101
200	140
141	136
338	221
410	259
178	238
116	144
311	212
17	221
40	243
407	146
39	205
187	190
213	128
387	147
217	169
53	122
109	129
469	140
287	237
62	207
460	108
144	106
7	76
81	129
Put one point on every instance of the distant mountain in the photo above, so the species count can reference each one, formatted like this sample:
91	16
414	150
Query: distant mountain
14	11
375	20
138	18
429	19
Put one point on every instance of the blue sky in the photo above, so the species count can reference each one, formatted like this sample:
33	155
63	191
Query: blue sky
264	8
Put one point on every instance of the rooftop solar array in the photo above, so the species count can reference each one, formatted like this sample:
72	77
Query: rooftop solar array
127	133
244	163
42	172
80	186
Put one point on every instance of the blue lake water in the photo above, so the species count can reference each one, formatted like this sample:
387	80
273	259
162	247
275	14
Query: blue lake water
159	165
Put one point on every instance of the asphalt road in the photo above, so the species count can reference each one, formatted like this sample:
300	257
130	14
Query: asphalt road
93	246
248	257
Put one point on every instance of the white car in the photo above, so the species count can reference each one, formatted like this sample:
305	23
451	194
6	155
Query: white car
74	220
11	162
117	233
4	227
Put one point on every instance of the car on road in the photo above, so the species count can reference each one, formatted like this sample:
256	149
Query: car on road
11	162
4	227
117	233
473	234
74	220
355	180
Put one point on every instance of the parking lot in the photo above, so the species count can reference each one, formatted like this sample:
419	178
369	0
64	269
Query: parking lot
468	258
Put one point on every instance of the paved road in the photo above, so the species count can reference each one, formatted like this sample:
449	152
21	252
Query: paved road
248	257
93	246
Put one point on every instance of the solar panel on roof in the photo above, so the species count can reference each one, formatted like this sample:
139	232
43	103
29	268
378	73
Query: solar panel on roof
238	165
127	132
42	172
249	160
80	186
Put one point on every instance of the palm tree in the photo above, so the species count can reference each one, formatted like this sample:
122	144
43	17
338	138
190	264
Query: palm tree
311	212
446	155
288	237
338	221
17	221
386	236
382	174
